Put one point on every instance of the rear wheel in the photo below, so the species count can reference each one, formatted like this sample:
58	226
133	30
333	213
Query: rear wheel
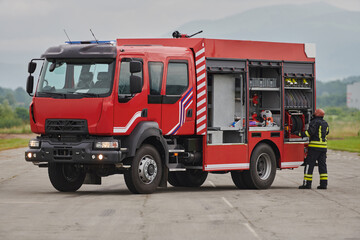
173	180
191	178
146	170
262	168
238	180
65	177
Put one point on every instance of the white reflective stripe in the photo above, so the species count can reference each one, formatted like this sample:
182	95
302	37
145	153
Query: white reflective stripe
178	122
201	94
227	166
201	128
291	164
200	60
187	98
201	77
186	110
200	111
201	85
128	125
200	69
173	129
201	119
201	102
307	168
200	52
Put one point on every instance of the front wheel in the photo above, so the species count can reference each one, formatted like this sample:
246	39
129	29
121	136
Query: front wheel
65	177
262	168
146	170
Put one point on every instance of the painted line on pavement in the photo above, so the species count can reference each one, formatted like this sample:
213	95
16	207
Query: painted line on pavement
212	184
227	202
251	230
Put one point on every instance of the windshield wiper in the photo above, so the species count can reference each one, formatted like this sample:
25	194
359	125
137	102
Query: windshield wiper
53	94
86	94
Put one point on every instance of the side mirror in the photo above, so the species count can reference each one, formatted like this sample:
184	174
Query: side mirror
135	84
31	67
135	66
30	85
52	67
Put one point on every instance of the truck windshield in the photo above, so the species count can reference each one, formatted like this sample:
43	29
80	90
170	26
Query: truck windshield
76	78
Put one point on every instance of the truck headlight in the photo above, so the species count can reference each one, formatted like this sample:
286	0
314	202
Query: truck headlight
107	145
34	143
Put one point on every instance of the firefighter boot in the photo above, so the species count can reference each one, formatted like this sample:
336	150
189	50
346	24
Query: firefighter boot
323	181
306	185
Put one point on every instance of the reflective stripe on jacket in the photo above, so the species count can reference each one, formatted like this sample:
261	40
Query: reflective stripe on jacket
317	132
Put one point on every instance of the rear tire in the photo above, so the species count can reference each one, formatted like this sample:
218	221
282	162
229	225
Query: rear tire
173	180
262	168
238	180
146	170
191	178
65	177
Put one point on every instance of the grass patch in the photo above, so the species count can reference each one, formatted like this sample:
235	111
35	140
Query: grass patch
13	143
351	144
343	129
16	130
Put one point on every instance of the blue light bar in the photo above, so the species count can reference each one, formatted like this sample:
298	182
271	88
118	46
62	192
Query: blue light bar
91	42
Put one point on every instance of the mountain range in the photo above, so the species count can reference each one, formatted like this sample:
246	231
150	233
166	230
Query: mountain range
335	31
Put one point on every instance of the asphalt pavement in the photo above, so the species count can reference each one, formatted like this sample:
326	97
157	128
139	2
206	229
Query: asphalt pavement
30	208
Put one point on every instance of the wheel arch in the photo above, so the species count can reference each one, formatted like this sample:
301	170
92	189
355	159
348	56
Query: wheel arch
146	132
274	148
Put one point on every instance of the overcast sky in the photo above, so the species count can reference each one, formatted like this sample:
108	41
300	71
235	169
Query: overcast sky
29	27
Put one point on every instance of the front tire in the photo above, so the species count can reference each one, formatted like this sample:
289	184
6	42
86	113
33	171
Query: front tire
146	170
262	168
65	177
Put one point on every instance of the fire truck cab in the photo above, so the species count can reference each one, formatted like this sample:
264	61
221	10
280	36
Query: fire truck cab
170	110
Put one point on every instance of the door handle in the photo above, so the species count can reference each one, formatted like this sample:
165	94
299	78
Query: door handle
189	113
144	112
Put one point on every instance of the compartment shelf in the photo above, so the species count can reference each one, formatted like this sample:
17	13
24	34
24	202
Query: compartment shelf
264	89
297	88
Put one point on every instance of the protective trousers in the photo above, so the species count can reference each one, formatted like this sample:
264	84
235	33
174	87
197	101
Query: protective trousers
310	161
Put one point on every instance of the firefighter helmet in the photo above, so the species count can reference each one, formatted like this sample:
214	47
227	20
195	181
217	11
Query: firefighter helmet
319	113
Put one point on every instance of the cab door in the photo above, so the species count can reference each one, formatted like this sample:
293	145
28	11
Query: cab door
178	103
129	109
155	97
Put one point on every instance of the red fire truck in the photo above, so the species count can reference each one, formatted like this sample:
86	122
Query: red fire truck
170	110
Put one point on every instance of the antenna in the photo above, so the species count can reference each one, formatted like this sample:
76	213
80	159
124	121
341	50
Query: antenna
94	36
67	36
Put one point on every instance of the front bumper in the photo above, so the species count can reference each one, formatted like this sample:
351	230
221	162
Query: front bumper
74	152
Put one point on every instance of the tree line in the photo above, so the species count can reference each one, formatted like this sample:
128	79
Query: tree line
14	107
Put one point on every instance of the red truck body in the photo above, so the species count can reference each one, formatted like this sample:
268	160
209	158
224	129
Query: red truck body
193	135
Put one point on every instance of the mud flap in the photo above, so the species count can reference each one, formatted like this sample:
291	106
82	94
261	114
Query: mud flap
91	178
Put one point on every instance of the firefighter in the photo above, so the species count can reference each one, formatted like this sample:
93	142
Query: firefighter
317	132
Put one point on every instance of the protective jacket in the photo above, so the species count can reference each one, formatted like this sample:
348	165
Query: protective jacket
317	132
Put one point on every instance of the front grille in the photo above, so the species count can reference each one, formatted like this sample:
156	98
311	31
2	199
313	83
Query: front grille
61	126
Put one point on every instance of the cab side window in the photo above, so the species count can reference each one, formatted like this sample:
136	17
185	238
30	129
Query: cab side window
124	78
177	80
155	77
